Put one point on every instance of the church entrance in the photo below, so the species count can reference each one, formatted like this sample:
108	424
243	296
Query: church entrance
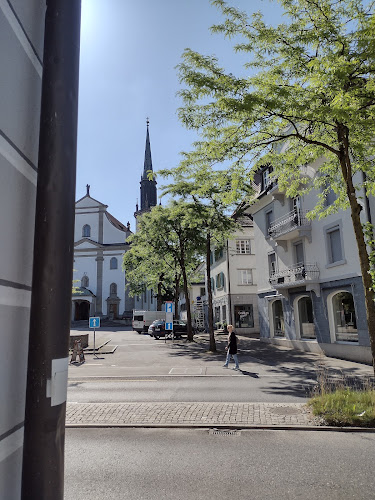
82	310
113	311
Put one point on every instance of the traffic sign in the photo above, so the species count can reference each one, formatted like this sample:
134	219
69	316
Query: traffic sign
169	326
169	307
94	322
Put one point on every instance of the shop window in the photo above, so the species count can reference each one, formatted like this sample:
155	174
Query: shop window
224	313
306	318
344	317
113	264
278	319
243	316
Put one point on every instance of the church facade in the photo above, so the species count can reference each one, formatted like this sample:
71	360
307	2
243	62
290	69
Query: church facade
100	244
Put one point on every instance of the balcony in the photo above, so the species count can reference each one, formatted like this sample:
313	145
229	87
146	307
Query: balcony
292	225
296	275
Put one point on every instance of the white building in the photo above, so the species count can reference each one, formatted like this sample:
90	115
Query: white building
234	281
310	287
100	244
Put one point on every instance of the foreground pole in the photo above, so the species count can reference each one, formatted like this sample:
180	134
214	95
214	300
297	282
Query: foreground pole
43	460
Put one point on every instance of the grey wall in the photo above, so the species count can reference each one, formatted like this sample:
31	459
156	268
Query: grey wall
21	45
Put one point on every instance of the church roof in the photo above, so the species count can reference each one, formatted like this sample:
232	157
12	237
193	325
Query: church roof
148	161
82	291
119	225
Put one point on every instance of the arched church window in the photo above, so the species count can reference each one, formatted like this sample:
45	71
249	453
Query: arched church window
86	231
85	281
113	289
113	263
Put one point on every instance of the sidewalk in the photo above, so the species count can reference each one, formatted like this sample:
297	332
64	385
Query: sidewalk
189	415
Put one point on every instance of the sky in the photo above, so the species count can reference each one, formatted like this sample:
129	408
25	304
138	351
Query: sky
129	53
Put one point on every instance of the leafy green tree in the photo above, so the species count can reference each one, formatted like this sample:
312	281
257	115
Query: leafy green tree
146	270
310	96
211	193
171	234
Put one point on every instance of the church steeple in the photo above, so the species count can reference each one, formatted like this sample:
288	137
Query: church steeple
147	166
148	197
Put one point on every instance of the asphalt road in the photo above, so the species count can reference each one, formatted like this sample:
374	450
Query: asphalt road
180	464
142	369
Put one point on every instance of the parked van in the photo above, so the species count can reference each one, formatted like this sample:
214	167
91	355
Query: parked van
143	319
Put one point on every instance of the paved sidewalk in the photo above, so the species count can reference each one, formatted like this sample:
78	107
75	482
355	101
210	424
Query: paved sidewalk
188	414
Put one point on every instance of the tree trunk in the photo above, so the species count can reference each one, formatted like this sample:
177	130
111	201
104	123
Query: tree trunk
364	260
176	293
190	335
209	293
159	301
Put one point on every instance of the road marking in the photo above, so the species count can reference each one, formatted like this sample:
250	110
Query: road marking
93	364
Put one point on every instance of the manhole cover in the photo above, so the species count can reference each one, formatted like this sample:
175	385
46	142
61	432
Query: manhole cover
224	432
285	411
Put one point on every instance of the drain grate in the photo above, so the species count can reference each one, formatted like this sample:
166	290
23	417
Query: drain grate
224	432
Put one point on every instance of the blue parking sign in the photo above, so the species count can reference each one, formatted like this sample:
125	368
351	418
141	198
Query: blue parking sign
169	326
169	307
94	322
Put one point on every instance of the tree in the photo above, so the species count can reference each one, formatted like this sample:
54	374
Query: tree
171	234
211	193
314	90
146	270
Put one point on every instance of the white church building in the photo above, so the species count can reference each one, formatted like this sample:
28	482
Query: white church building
99	246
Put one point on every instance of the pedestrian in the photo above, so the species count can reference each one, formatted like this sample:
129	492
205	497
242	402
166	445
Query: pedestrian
231	348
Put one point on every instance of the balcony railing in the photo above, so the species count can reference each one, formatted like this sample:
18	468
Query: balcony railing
296	219
298	274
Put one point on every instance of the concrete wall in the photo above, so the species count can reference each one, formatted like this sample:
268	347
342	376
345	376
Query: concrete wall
21	47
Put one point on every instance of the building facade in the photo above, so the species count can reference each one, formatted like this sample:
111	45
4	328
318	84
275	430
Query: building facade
310	290
21	54
100	244
234	281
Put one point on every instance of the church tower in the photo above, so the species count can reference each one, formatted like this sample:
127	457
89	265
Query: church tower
148	186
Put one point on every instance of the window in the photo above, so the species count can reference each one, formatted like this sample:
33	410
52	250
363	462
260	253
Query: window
272	263
345	320
151	296
86	231
243	246
217	314
266	179
298	252
331	197
245	277
278	319
334	248
224	313
219	253
202	292
85	281
113	289
269	219
113	263
306	318
243	316
220	280
212	285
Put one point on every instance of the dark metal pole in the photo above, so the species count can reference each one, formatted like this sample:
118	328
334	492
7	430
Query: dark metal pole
43	459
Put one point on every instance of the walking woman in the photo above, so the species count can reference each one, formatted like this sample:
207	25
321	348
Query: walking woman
232	348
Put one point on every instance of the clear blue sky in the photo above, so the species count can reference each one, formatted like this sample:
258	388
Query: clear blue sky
129	50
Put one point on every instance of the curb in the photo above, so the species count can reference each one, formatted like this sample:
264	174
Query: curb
315	428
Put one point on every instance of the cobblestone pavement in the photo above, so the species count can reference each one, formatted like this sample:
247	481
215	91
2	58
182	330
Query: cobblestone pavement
188	414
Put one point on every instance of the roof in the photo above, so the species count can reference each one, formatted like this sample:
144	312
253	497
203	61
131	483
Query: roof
81	291
148	161
119	225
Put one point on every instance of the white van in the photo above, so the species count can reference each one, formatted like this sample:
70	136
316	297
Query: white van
143	319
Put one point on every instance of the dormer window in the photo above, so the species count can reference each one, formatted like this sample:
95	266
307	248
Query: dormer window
266	178
86	231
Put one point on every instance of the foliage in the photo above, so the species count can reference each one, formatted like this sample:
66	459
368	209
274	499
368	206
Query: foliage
307	106
314	74
346	407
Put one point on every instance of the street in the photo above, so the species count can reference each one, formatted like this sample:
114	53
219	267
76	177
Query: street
181	464
219	431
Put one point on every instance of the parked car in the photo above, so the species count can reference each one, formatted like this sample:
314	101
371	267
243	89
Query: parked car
157	328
